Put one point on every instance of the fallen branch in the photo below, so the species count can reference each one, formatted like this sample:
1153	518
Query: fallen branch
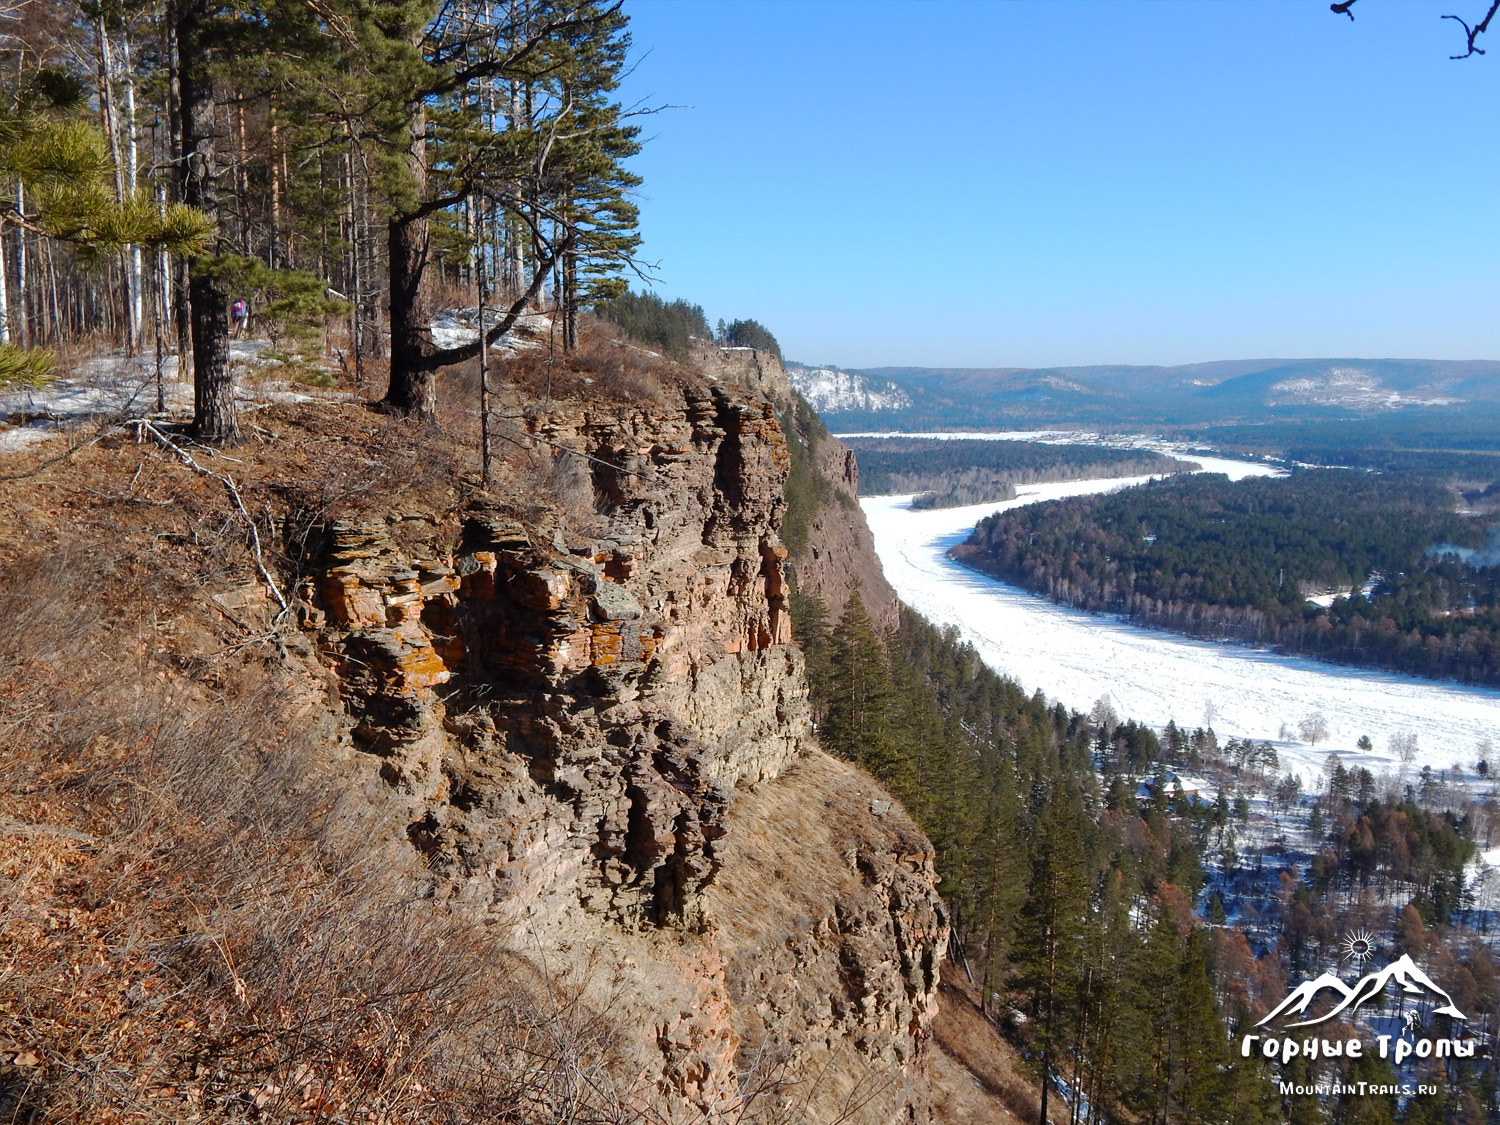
17	828
143	428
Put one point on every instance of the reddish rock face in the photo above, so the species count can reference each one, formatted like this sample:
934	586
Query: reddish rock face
573	704
841	552
644	660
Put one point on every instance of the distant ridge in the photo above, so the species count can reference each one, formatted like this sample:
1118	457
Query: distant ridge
1238	390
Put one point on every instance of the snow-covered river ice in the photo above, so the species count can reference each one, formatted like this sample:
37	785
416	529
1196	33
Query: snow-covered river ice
1153	676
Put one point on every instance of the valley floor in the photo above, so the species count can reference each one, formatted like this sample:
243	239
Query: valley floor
1077	658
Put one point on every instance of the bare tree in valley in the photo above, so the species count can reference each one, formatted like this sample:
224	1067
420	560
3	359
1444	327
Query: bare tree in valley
1313	729
1403	744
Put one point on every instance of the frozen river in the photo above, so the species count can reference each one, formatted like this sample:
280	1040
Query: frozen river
1153	676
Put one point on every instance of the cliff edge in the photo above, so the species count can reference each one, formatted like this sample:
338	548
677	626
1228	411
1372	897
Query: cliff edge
553	734
832	551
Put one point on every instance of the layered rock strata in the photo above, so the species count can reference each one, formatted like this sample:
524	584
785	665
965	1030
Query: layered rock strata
840	556
578	700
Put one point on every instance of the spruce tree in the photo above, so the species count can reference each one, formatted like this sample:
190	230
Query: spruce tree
1051	929
859	720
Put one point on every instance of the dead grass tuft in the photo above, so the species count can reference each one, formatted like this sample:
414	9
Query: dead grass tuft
200	917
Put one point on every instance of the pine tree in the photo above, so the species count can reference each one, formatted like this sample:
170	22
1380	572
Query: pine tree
1150	1072
1367	1108
1051	930
859	720
1301	1109
549	159
1201	1044
197	26
64	168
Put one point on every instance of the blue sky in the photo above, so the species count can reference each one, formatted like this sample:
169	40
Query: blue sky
1072	182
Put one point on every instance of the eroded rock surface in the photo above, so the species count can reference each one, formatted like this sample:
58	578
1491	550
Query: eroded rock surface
578	706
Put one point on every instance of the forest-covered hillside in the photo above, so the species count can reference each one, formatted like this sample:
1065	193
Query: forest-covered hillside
952	473
1237	559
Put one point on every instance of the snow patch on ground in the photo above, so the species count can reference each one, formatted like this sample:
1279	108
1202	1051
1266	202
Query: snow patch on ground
120	386
16	439
453	328
1328	597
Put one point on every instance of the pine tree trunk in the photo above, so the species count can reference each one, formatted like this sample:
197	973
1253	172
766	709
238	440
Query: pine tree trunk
176	276
570	302
214	417
273	164
413	386
132	167
27	299
4	298
1046	1086
109	122
354	282
374	342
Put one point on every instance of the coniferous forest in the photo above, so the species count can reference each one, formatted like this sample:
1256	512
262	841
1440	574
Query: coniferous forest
1123	932
1238	560
335	167
342	171
951	473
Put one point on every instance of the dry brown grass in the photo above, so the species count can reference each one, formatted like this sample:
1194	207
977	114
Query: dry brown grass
203	913
199	919
981	1078
606	368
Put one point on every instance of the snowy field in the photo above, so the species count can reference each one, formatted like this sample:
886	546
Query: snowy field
117	386
1153	676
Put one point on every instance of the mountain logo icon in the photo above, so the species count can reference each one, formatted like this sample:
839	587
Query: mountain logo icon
1404	972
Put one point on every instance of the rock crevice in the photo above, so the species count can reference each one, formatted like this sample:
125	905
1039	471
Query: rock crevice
574	698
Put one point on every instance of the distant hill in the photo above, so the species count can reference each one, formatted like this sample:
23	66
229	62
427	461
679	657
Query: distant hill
1226	391
829	389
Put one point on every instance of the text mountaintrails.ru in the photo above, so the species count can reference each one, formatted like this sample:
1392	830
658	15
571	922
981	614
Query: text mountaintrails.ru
1362	1089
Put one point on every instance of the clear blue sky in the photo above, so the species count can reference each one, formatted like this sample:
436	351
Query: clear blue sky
1071	182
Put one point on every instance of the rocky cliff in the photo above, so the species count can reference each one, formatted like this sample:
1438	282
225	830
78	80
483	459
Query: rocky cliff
517	801
838	554
595	716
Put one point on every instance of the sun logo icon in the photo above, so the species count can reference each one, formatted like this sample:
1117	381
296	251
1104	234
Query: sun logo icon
1358	945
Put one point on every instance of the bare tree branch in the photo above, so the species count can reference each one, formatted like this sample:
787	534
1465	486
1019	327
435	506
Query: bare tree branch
1471	34
448	356
1476	31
